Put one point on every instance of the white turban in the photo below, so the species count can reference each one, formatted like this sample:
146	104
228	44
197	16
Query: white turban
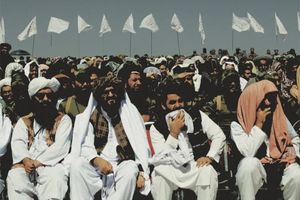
5	81
12	67
230	63
27	67
39	83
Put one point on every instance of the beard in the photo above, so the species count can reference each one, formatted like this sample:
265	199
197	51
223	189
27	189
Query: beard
83	96
45	114
231	99
111	105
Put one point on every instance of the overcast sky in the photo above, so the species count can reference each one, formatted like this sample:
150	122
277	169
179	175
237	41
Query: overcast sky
216	15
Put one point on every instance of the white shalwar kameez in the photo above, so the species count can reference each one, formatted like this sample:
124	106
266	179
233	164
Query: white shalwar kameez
52	177
86	180
169	174
5	135
251	174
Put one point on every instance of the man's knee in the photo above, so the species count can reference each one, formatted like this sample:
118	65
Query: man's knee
77	165
57	174
248	165
130	170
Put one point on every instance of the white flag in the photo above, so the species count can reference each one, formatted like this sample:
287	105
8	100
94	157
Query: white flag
201	28
280	29
2	30
298	17
104	28
82	25
57	25
240	24
255	25
175	24
29	31
128	26
149	23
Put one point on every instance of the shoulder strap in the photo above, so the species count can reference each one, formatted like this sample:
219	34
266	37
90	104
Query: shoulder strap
28	121
50	137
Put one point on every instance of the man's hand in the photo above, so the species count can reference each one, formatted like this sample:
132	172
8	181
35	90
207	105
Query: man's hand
140	183
37	163
176	124
28	165
203	161
103	165
261	116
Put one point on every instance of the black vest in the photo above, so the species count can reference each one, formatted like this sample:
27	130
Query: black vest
197	139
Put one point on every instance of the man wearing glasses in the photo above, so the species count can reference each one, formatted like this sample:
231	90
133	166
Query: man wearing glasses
40	141
113	150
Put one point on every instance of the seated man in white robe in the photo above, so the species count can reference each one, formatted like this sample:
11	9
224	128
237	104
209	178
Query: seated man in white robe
267	143
184	157
5	135
113	151
40	142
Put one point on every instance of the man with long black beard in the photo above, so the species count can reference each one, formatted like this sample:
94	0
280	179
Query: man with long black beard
40	141
183	156
132	76
113	150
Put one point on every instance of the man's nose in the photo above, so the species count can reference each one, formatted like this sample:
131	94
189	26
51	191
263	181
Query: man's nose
110	94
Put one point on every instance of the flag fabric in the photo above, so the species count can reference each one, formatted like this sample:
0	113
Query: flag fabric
255	25
149	23
104	28
83	25
57	25
201	29
128	26
29	31
298	18
176	25
280	29
2	31
240	24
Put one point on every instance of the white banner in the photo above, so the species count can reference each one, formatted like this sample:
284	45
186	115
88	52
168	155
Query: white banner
2	30
29	31
176	25
104	28
128	26
255	25
280	29
240	24
149	23
83	25
57	25
201	29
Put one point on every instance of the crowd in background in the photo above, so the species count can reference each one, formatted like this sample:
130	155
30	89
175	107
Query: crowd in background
213	81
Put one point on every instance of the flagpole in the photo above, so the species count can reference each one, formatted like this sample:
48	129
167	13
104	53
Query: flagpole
232	40
79	45
151	43
102	46
51	39
130	38
32	51
276	34
178	42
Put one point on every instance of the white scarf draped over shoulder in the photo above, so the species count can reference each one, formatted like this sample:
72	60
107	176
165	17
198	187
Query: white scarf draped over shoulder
133	125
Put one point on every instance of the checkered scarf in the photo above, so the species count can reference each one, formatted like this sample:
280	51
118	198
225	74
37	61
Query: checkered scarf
100	124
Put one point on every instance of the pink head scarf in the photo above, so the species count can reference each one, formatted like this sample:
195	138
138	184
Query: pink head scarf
279	140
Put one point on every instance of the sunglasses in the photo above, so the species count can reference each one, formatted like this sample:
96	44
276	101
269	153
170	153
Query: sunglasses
41	96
